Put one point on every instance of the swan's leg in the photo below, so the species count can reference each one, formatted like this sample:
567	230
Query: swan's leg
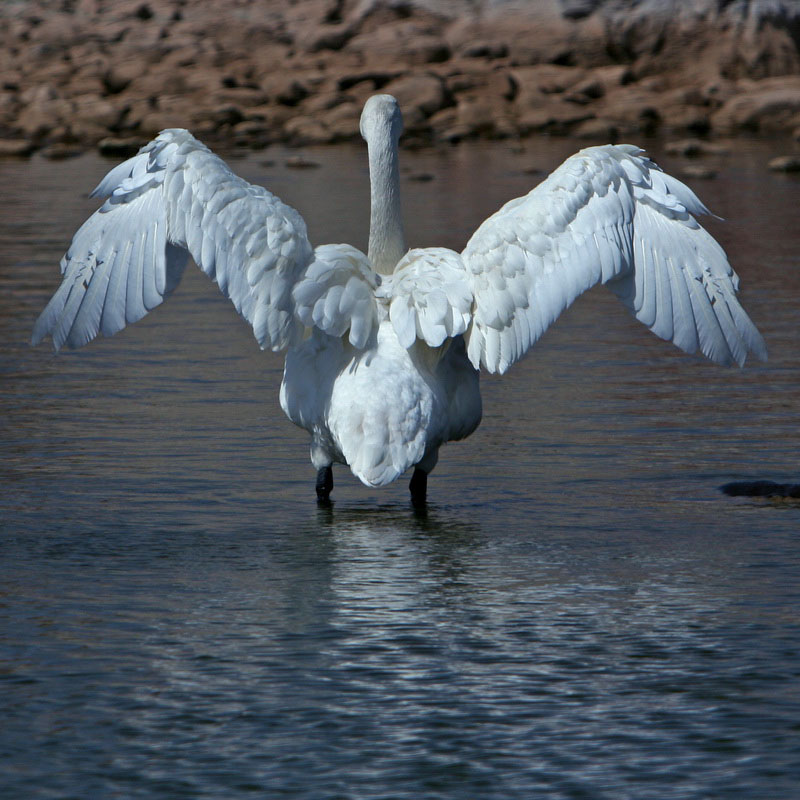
324	483
418	487
322	462
419	480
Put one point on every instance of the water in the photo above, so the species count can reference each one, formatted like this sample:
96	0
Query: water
580	614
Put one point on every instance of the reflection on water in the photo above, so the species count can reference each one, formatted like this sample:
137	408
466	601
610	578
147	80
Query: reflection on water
580	612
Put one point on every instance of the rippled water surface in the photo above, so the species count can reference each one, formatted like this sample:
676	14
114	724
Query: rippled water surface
580	614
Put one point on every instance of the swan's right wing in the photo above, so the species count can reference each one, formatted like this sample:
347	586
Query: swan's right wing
606	215
173	199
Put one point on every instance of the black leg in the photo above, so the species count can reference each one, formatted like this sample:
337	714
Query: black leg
418	487
324	484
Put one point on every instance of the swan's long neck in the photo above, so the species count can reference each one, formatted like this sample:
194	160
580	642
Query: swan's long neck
387	243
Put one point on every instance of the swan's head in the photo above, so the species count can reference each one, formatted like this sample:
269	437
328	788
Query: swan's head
381	117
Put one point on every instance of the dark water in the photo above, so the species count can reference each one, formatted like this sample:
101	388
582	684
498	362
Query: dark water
581	614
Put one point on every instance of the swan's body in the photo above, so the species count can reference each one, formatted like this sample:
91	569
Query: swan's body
384	349
382	409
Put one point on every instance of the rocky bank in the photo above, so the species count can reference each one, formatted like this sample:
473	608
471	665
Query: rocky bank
111	73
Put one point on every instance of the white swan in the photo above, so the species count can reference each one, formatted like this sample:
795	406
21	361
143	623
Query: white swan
384	349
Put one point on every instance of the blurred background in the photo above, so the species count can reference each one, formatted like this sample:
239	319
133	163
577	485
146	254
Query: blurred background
86	73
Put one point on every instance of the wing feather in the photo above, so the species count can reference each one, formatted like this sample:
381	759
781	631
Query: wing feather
88	316
429	296
113	311
337	294
134	307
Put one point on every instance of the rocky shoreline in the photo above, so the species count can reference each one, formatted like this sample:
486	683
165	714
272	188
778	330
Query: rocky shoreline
97	73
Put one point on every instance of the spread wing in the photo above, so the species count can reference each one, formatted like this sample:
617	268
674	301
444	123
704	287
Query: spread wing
606	215
173	199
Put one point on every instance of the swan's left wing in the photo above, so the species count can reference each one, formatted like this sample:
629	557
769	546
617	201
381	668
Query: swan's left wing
173	199
606	215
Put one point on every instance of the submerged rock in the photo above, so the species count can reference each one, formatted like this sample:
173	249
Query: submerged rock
785	164
698	172
695	148
761	489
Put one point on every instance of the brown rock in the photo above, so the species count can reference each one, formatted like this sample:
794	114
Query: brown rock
633	108
405	42
43	109
502	84
598	130
464	80
771	105
285	89
585	91
548	39
445	126
119	147
478	115
116	78
613	75
486	49
83	84
342	121
253	133
9	109
97	111
304	130
225	114
425	93
156	120
545	79
271	115
242	97
324	100
16	148
328	37
553	116
81	130
376	79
